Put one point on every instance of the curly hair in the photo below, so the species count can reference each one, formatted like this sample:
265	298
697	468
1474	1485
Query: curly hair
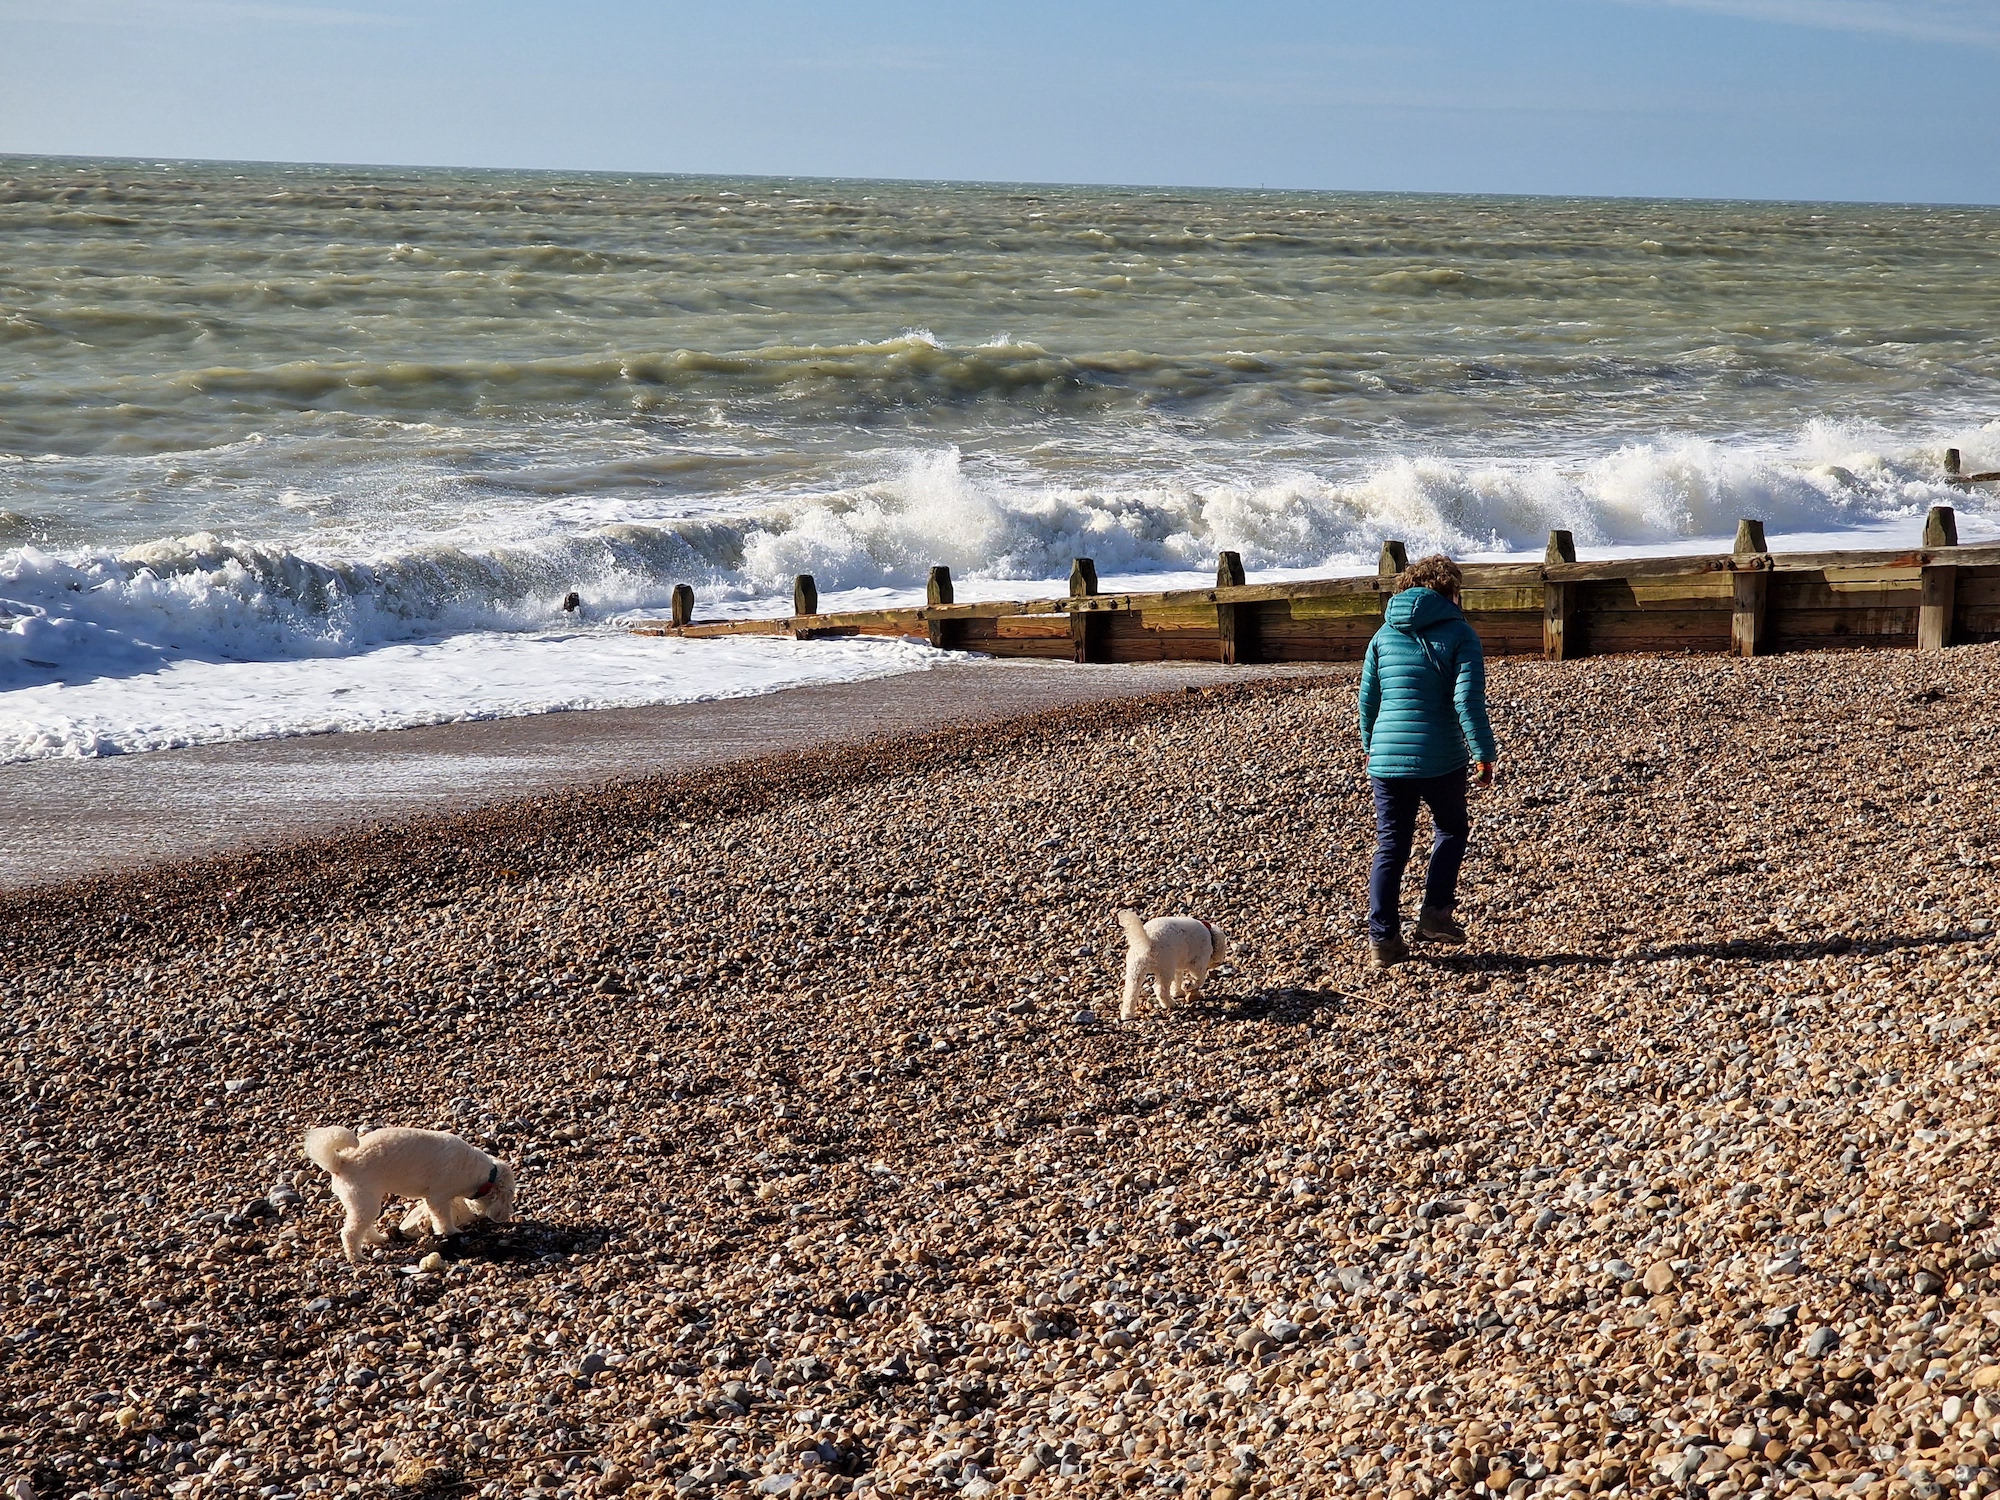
1436	572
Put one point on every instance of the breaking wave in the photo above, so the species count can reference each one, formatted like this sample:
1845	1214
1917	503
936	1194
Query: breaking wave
98	613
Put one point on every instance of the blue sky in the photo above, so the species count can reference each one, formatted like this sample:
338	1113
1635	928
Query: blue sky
1855	99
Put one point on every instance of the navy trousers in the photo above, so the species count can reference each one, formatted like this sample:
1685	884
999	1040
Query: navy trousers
1396	801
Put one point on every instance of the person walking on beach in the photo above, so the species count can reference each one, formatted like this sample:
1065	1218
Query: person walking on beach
1423	725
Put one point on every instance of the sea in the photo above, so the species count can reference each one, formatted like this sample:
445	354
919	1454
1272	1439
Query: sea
296	449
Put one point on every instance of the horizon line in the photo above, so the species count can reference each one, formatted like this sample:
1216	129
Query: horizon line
990	182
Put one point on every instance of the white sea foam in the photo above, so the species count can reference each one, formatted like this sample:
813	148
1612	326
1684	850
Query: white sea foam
987	524
480	675
201	638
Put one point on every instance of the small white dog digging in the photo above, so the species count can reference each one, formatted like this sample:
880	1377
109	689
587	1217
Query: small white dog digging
1177	951
452	1180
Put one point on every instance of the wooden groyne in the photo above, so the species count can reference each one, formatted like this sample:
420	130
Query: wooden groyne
1749	601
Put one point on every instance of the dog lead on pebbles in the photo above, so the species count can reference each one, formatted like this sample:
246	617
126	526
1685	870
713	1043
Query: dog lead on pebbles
1675	1181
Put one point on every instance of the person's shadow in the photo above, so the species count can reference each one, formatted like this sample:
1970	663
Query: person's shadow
1756	949
1288	1005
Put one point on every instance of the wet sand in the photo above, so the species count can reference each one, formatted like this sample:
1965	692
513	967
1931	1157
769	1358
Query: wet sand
66	819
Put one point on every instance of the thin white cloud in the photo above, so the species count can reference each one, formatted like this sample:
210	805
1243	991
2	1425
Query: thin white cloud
186	13
1966	23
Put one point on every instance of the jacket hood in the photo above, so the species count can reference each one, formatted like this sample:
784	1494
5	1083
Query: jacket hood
1418	609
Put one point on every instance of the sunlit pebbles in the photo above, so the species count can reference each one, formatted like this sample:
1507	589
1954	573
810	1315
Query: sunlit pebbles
1676	1181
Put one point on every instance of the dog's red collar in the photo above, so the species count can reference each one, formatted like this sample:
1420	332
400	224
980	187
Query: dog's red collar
491	1184
1211	929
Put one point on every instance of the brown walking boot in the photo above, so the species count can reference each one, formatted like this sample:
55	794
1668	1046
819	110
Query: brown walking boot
1435	925
1387	953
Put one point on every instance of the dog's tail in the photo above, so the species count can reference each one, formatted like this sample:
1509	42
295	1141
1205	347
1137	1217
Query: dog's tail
328	1146
1134	928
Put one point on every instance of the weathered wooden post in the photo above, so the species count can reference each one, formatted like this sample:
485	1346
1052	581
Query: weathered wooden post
805	595
1395	558
1750	573
683	610
1233	649
1086	627
937	590
1558	600
1954	473
1937	604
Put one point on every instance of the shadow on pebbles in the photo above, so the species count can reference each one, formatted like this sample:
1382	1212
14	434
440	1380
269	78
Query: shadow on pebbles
839	1175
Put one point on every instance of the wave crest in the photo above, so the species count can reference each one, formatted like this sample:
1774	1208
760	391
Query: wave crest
209	596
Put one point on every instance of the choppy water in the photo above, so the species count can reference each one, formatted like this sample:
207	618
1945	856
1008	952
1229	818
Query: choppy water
269	415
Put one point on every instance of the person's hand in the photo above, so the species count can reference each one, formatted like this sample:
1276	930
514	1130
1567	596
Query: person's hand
1483	775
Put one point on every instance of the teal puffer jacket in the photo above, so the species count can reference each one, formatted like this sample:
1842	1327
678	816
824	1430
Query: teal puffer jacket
1423	690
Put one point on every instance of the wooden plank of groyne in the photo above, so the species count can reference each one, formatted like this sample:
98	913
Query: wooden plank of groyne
1717	590
1615	630
1871	580
1315	648
909	622
1976	612
1501	599
1178	617
982	633
1845	629
1626	568
1332	638
1480	576
1129	638
1262	593
1510	634
987	609
1031	627
1796	591
709	629
1265	593
1336	607
1811	613
1970	555
890	622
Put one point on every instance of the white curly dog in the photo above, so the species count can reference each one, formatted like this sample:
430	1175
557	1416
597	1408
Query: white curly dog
452	1180
1177	951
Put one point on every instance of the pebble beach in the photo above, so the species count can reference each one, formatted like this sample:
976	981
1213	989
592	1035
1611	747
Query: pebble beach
838	1174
